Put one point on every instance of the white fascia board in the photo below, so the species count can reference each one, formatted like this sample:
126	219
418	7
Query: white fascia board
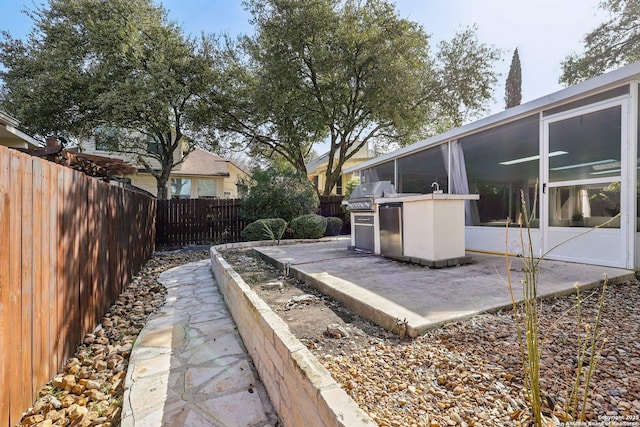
8	119
580	90
23	136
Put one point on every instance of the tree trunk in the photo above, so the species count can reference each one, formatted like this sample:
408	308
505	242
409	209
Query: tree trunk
162	178
331	181
330	174
161	182
327	186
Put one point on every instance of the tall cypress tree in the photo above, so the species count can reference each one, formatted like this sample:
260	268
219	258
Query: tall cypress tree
513	87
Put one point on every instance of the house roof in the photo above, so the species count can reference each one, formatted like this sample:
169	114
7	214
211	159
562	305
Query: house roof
11	135
595	85
203	163
363	153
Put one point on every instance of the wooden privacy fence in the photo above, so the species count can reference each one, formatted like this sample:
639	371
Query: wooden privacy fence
68	246
331	206
181	222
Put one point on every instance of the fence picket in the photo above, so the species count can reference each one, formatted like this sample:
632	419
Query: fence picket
5	320
26	267
51	251
38	339
14	341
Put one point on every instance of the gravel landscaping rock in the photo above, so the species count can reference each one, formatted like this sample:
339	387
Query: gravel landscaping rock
462	374
88	390
465	373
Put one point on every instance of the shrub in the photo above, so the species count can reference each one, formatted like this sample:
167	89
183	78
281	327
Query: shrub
277	194
334	226
263	229
310	226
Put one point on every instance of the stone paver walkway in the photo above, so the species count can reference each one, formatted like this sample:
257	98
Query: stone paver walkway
188	366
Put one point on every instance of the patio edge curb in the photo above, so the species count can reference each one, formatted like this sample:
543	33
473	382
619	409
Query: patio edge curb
301	389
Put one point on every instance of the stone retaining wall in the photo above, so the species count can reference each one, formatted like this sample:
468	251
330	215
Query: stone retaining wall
301	389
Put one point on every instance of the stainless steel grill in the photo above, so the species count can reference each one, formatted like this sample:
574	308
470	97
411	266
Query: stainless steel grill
362	197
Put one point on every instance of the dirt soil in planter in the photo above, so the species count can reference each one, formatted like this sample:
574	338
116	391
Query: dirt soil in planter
466	373
318	321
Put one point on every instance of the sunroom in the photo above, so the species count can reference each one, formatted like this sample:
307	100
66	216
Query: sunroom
572	156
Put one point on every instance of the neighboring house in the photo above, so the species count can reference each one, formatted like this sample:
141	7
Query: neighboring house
11	136
317	169
202	175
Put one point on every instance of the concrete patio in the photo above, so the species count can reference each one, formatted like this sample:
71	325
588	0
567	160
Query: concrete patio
390	292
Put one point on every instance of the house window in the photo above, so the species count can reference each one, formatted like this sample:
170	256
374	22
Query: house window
382	172
227	194
106	138
417	172
591	146
316	181
501	165
586	205
339	186
590	142
153	145
180	188
207	188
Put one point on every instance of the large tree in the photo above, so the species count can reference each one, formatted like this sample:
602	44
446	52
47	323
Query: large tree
465	80
91	64
614	43
513	85
345	72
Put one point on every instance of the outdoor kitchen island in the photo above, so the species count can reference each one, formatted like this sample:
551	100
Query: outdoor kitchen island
426	229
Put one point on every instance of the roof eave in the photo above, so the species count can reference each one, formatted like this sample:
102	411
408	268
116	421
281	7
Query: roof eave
28	139
189	174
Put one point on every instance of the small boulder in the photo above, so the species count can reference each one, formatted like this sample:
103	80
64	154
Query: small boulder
337	331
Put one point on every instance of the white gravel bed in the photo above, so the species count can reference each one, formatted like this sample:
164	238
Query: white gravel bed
469	373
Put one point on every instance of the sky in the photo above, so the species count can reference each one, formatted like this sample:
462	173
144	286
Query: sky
544	31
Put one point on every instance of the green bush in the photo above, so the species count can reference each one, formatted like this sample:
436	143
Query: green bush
265	229
334	226
277	194
310	226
